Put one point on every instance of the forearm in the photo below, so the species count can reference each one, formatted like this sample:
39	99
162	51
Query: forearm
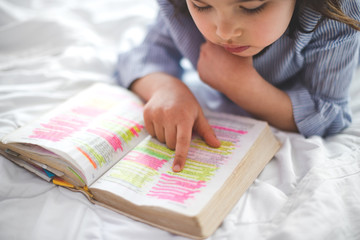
148	85
263	100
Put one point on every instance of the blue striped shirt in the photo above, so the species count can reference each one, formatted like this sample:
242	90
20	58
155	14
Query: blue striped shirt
315	69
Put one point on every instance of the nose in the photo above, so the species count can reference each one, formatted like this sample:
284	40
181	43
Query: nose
227	29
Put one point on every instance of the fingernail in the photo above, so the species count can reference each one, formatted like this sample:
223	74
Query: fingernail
176	168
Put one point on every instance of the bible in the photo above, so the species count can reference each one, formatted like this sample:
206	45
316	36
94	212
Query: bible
96	143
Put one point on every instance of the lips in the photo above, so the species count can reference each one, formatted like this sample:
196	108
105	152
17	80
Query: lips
236	49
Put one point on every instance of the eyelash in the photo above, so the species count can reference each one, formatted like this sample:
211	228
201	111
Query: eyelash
248	11
254	10
201	9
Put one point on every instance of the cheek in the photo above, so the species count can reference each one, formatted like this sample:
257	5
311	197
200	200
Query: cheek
266	34
272	29
204	25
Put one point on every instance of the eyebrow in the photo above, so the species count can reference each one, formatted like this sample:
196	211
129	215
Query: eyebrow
236	1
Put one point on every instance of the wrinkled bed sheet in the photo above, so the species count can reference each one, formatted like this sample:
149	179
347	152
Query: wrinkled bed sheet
50	50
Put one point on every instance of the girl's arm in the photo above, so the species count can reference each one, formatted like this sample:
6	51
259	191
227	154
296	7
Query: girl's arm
171	111
323	60
236	77
157	53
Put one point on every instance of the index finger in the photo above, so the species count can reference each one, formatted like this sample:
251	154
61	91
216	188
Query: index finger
183	139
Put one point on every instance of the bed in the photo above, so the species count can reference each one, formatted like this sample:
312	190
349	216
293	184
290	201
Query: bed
50	50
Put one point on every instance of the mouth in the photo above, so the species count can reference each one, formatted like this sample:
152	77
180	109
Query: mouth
235	49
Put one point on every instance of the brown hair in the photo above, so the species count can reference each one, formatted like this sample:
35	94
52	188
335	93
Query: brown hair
327	8
330	9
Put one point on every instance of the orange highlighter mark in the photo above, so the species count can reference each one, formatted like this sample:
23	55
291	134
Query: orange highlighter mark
88	157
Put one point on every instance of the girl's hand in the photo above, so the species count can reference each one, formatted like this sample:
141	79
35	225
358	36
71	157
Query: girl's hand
221	69
236	77
172	113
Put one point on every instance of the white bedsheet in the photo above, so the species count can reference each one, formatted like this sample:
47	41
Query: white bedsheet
51	49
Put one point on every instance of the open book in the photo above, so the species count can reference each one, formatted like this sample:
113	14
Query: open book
96	143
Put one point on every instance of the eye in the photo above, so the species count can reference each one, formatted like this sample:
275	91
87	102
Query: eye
201	9
253	10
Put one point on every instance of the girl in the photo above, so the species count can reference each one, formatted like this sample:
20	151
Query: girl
289	62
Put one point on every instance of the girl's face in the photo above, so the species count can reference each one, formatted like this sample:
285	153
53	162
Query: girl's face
242	27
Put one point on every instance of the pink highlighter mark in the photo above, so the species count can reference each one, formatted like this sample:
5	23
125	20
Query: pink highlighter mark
88	111
47	134
229	129
66	124
145	159
176	189
110	137
138	126
183	182
132	130
57	128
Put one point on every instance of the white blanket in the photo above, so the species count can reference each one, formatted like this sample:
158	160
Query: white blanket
50	50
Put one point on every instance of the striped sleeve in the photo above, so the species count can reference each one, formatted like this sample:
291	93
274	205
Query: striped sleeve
320	98
157	53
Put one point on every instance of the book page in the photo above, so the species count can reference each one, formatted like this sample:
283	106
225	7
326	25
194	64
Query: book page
92	130
145	177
